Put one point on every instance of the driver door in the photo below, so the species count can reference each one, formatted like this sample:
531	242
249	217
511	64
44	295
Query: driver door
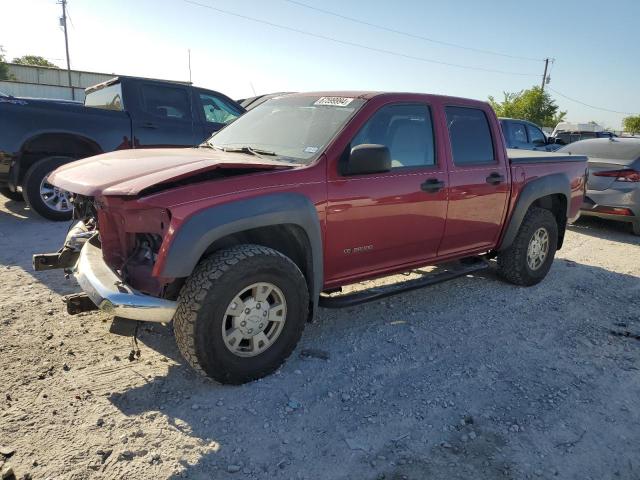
381	221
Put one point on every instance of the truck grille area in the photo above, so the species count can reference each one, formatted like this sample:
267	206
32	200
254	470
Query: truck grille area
131	238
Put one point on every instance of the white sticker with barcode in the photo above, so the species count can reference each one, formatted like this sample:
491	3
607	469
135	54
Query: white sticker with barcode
334	101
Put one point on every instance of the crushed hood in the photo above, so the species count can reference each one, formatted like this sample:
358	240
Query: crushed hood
128	172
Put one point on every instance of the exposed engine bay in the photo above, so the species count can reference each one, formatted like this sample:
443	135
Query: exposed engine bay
129	252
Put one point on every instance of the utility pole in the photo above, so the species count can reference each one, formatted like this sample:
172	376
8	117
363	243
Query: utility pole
544	77
63	22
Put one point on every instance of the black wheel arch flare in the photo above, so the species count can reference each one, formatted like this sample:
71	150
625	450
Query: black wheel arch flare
201	230
555	184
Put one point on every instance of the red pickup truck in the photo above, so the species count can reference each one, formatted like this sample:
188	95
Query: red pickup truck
240	240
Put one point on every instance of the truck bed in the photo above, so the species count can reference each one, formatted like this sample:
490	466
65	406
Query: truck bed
517	156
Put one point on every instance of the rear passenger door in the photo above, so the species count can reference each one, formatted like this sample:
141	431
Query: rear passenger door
478	182
164	117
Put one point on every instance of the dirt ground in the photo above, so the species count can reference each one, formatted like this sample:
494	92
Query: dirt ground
473	378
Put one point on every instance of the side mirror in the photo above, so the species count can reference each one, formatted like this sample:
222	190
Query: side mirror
368	158
551	140
540	143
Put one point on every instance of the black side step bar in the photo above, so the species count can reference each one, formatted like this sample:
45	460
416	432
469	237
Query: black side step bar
452	271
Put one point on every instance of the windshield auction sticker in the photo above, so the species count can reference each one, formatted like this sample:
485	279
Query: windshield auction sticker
334	101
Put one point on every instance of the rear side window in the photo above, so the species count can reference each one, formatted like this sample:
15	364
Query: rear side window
108	98
470	136
166	102
406	130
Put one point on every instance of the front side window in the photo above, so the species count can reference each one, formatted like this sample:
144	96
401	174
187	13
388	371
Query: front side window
294	127
166	102
406	130
470	136
216	110
536	136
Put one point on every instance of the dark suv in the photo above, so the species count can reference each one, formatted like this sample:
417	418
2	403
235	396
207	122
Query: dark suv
38	136
525	135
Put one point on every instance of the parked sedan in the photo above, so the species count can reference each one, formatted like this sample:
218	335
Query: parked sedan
613	188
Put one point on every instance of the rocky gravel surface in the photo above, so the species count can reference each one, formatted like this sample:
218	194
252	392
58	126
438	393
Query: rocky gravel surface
472	379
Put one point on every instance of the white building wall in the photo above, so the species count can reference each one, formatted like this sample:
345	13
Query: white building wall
31	90
45	82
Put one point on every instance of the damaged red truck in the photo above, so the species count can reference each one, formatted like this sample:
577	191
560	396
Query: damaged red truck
239	241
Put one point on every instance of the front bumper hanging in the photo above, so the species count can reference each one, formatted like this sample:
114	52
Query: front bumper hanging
107	291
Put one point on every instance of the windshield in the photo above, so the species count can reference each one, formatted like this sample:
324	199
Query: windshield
295	127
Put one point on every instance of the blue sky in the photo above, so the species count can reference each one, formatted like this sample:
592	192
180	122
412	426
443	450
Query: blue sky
595	45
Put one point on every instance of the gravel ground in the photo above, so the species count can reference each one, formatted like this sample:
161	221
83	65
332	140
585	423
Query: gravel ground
474	378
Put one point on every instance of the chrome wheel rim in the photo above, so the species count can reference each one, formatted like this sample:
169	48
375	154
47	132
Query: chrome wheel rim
55	198
538	248
254	319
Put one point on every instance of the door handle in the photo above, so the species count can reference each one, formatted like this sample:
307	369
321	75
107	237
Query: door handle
495	178
432	185
149	125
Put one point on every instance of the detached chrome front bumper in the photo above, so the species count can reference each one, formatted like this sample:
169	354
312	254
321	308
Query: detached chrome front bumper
103	286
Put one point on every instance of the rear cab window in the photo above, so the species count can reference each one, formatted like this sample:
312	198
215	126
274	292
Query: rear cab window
470	136
515	133
107	98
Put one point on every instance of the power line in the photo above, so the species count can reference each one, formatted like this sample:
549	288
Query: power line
587	105
411	35
354	44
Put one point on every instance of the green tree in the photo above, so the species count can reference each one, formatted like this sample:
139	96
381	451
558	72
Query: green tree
4	68
632	124
35	60
532	104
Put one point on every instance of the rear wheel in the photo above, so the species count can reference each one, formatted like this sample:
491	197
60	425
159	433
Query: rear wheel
49	201
528	260
11	195
241	313
635	228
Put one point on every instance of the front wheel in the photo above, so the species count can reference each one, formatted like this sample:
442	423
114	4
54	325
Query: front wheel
528	260
241	313
49	201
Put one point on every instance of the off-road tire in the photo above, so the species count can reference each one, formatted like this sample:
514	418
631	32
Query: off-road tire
31	187
512	262
206	295
11	195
